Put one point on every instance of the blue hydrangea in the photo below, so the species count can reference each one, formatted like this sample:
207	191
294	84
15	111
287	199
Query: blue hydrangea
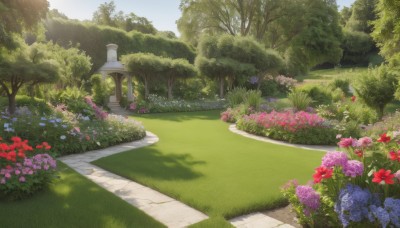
392	206
380	214
352	204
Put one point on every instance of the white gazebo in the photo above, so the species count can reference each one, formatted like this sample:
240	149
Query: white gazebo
117	71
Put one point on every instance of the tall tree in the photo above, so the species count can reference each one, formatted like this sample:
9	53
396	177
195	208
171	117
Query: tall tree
25	66
178	69
363	12
17	15
387	30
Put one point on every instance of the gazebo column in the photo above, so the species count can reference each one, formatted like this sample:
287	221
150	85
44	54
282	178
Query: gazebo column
130	90
104	75
118	86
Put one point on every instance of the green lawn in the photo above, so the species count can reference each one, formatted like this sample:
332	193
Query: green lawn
73	201
327	75
200	162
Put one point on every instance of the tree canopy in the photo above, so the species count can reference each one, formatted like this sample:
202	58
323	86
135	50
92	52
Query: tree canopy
387	30
17	15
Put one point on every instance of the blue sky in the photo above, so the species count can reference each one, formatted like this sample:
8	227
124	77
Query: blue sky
163	13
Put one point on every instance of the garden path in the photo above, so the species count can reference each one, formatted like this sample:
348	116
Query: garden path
321	148
165	209
168	211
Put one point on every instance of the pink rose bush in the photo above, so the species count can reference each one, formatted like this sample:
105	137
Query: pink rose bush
358	186
295	127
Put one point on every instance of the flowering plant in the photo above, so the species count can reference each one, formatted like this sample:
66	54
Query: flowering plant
295	127
358	186
23	169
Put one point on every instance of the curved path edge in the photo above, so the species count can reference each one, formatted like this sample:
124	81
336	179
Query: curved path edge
257	219
322	148
164	209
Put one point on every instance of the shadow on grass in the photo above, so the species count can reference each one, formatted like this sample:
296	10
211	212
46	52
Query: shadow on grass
73	201
182	116
149	162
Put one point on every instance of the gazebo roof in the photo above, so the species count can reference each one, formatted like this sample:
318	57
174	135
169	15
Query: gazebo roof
112	65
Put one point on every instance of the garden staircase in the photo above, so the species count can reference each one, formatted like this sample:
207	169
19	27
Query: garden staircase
115	108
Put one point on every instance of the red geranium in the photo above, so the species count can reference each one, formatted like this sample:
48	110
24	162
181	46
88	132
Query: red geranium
394	156
353	98
384	138
322	173
359	153
383	177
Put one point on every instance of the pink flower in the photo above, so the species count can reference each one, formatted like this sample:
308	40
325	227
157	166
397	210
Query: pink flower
21	179
347	142
364	142
397	175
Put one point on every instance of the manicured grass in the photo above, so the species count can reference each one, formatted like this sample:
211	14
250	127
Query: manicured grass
327	75
73	201
200	162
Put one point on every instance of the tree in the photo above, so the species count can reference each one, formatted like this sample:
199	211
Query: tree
377	88
345	15
234	59
24	67
178	69
17	15
356	46
387	30
146	66
363	12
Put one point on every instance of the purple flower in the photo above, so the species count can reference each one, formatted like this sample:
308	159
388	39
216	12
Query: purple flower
380	214
364	142
353	168
253	80
347	142
21	179
334	158
392	206
308	197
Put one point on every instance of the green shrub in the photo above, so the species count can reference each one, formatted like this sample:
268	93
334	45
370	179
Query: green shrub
36	105
73	98
342	84
318	93
236	96
100	90
299	100
377	88
338	95
253	99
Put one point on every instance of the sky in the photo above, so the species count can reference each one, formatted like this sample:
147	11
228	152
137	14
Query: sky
163	13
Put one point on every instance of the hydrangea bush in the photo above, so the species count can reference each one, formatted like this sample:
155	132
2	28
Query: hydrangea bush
358	186
24	169
295	127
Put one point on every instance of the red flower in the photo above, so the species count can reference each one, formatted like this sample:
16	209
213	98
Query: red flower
395	156
384	138
359	153
353	98
39	147
383	177
322	173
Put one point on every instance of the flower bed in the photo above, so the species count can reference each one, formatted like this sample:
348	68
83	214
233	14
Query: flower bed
72	133
356	187
300	127
24	169
157	104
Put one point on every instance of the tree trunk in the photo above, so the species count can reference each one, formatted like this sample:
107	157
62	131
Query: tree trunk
11	103
146	88
221	87
380	112
170	84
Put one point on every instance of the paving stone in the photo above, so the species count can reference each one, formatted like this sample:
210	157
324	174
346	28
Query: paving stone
256	220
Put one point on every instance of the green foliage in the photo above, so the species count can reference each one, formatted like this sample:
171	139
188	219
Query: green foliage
25	66
342	84
73	99
299	100
35	105
356	46
388	123
253	99
100	90
377	88
363	12
386	30
236	96
92	39
318	93
17	15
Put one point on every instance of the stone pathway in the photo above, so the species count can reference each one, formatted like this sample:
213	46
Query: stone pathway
258	220
165	209
264	139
